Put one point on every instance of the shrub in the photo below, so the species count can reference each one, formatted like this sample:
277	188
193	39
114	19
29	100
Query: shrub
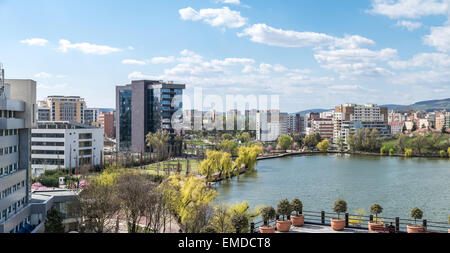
267	214
383	150
391	152
340	206
284	208
408	152
448	152
376	209
442	153
297	206
209	229
416	214
239	221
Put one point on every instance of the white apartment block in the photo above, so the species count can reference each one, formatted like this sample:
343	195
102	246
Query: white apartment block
270	125
65	145
349	118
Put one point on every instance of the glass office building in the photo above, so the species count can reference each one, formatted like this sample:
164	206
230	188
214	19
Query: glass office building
144	107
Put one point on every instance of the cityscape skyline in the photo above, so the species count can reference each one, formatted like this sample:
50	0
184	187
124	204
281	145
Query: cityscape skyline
310	56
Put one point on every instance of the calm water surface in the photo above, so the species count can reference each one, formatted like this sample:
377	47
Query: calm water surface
396	183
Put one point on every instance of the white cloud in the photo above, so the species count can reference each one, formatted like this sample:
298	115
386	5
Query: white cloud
262	33
35	42
86	48
133	62
162	60
349	63
236	2
439	38
411	26
227	74
423	60
43	75
130	48
223	17
395	9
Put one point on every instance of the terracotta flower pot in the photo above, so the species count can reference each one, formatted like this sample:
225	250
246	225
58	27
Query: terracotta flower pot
267	230
373	226
414	228
337	224
283	225
298	221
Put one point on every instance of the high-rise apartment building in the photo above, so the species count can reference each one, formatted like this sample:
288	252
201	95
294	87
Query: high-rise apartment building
107	122
143	107
62	108
17	117
350	117
324	127
91	115
270	125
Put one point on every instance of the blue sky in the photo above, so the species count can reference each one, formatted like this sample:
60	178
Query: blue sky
313	54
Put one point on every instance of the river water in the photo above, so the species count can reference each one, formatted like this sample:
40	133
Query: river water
396	183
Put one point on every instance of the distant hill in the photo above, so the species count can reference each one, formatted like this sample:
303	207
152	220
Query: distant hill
106	110
429	105
314	110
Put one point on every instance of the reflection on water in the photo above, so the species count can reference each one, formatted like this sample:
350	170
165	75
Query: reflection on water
396	183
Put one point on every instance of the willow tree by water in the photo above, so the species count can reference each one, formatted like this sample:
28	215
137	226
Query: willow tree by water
247	157
216	162
189	198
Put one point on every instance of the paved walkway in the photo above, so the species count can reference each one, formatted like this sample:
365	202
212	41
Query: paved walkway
310	228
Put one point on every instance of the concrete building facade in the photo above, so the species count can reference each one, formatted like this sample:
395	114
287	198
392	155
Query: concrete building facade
60	144
17	117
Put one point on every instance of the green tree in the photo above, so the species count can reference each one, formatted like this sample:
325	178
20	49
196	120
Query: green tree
284	208
298	139
340	206
245	137
402	142
227	136
285	141
229	146
416	214
376	209
419	143
310	141
159	141
53	222
239	221
247	157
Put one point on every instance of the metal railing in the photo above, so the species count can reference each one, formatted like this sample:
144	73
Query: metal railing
356	221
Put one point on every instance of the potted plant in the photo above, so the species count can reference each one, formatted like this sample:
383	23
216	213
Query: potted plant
298	219
374	225
340	206
284	209
239	221
416	214
267	214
